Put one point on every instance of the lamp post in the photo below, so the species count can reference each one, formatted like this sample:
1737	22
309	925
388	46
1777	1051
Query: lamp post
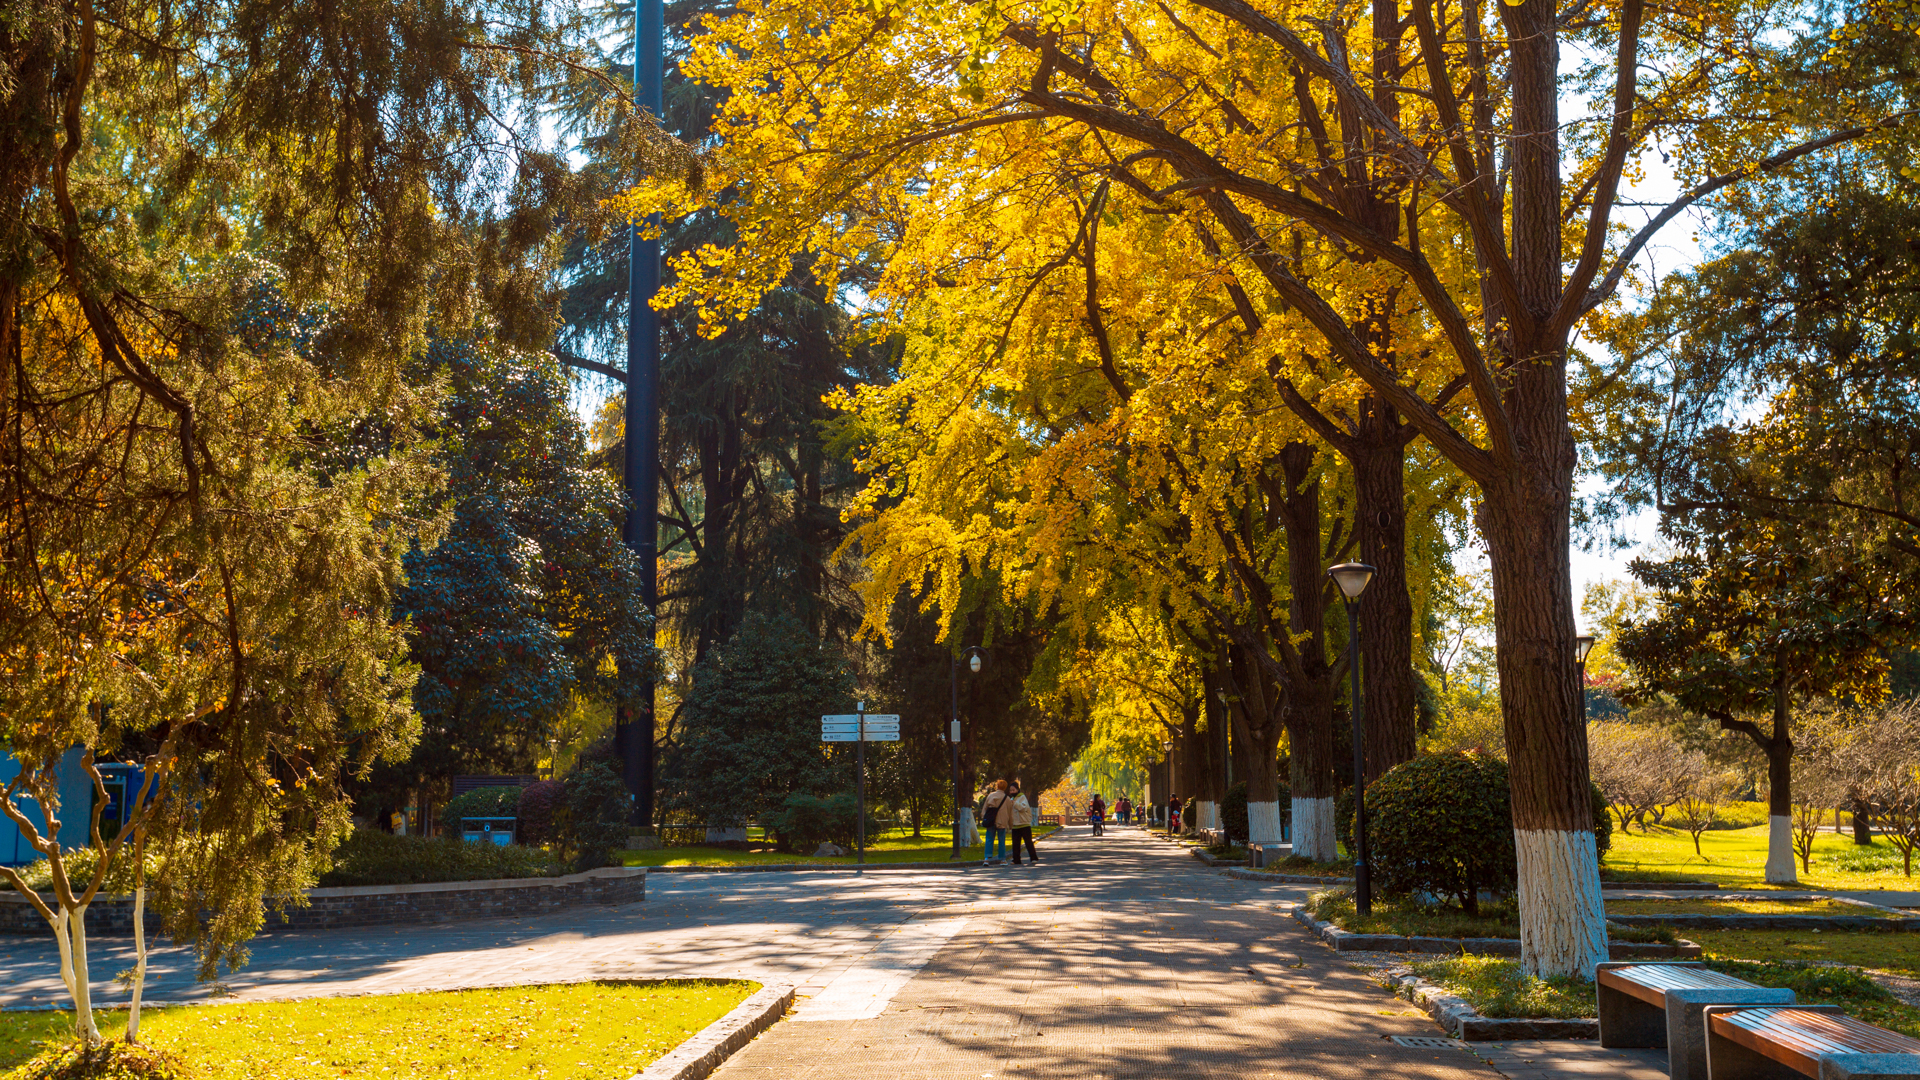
1166	749
975	658
1352	577
1582	645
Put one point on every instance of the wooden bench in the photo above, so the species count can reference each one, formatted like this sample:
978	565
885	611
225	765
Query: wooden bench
1659	1004
1820	1041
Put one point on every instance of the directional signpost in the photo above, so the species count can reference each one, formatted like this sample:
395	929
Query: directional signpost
860	729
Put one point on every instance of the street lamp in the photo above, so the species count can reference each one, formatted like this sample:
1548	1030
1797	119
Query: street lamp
1582	645
975	658
1166	748
1352	577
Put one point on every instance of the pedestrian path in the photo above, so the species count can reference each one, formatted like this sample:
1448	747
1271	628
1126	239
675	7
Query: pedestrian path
1118	956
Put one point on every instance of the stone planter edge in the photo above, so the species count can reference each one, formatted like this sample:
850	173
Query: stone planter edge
1347	941
1457	1018
708	1049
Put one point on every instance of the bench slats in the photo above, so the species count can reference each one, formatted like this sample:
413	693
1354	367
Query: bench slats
1650	982
1800	1037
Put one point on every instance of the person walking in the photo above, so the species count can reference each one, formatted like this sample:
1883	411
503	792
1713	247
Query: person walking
993	817
1173	815
1097	815
1020	822
1125	809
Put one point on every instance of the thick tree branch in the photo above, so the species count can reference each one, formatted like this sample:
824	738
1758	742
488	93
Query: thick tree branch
1598	294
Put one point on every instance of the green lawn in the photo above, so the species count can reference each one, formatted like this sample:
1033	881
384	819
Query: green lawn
584	1030
1740	907
892	848
1392	915
1496	987
1738	858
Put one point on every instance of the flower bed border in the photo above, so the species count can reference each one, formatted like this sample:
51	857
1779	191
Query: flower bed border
382	905
1458	1018
711	1046
1347	941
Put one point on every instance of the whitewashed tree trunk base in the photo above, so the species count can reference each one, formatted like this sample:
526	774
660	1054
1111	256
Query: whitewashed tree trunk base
1563	927
1314	835
1209	815
1781	868
1263	823
969	829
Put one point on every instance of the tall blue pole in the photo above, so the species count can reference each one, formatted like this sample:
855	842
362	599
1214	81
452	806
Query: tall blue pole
635	732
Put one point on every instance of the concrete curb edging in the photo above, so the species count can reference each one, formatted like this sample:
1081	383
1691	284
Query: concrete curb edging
1285	879
1457	1018
1346	941
1214	860
714	1044
1770	922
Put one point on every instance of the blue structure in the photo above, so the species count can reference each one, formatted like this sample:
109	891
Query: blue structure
77	799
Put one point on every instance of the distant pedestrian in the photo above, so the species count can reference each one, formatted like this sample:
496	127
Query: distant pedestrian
1097	814
1173	814
993	815
1020	821
1125	809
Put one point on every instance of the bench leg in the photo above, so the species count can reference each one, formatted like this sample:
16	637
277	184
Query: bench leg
1687	1028
1870	1067
1625	1020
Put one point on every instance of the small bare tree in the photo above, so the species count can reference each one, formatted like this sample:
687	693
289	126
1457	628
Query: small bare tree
1703	790
1888	758
1634	766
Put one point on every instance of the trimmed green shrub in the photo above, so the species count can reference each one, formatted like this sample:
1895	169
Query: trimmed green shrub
372	857
1233	814
1442	824
804	822
597	809
480	802
539	805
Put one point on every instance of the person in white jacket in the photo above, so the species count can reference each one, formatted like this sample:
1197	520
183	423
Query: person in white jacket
1020	821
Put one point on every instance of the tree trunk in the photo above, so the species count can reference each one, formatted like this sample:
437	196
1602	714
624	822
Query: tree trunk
1780	854
1563	931
1391	717
1862	823
1311	691
1257	726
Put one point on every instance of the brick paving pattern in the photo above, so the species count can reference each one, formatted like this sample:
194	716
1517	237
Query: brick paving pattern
1117	957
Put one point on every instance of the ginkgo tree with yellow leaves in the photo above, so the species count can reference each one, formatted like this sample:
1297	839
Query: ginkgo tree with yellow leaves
1425	160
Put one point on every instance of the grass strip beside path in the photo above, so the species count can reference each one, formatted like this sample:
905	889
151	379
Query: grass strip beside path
1497	919
578	1031
1742	907
1496	987
1737	859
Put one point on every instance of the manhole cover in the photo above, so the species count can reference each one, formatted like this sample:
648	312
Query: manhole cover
1428	1042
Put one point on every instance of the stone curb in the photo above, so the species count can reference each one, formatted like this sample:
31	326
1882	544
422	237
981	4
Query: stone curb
1770	922
1662	886
700	1055
1214	860
1346	941
1457	1018
1286	879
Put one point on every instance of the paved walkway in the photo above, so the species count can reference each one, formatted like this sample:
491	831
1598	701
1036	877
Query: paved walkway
1117	957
